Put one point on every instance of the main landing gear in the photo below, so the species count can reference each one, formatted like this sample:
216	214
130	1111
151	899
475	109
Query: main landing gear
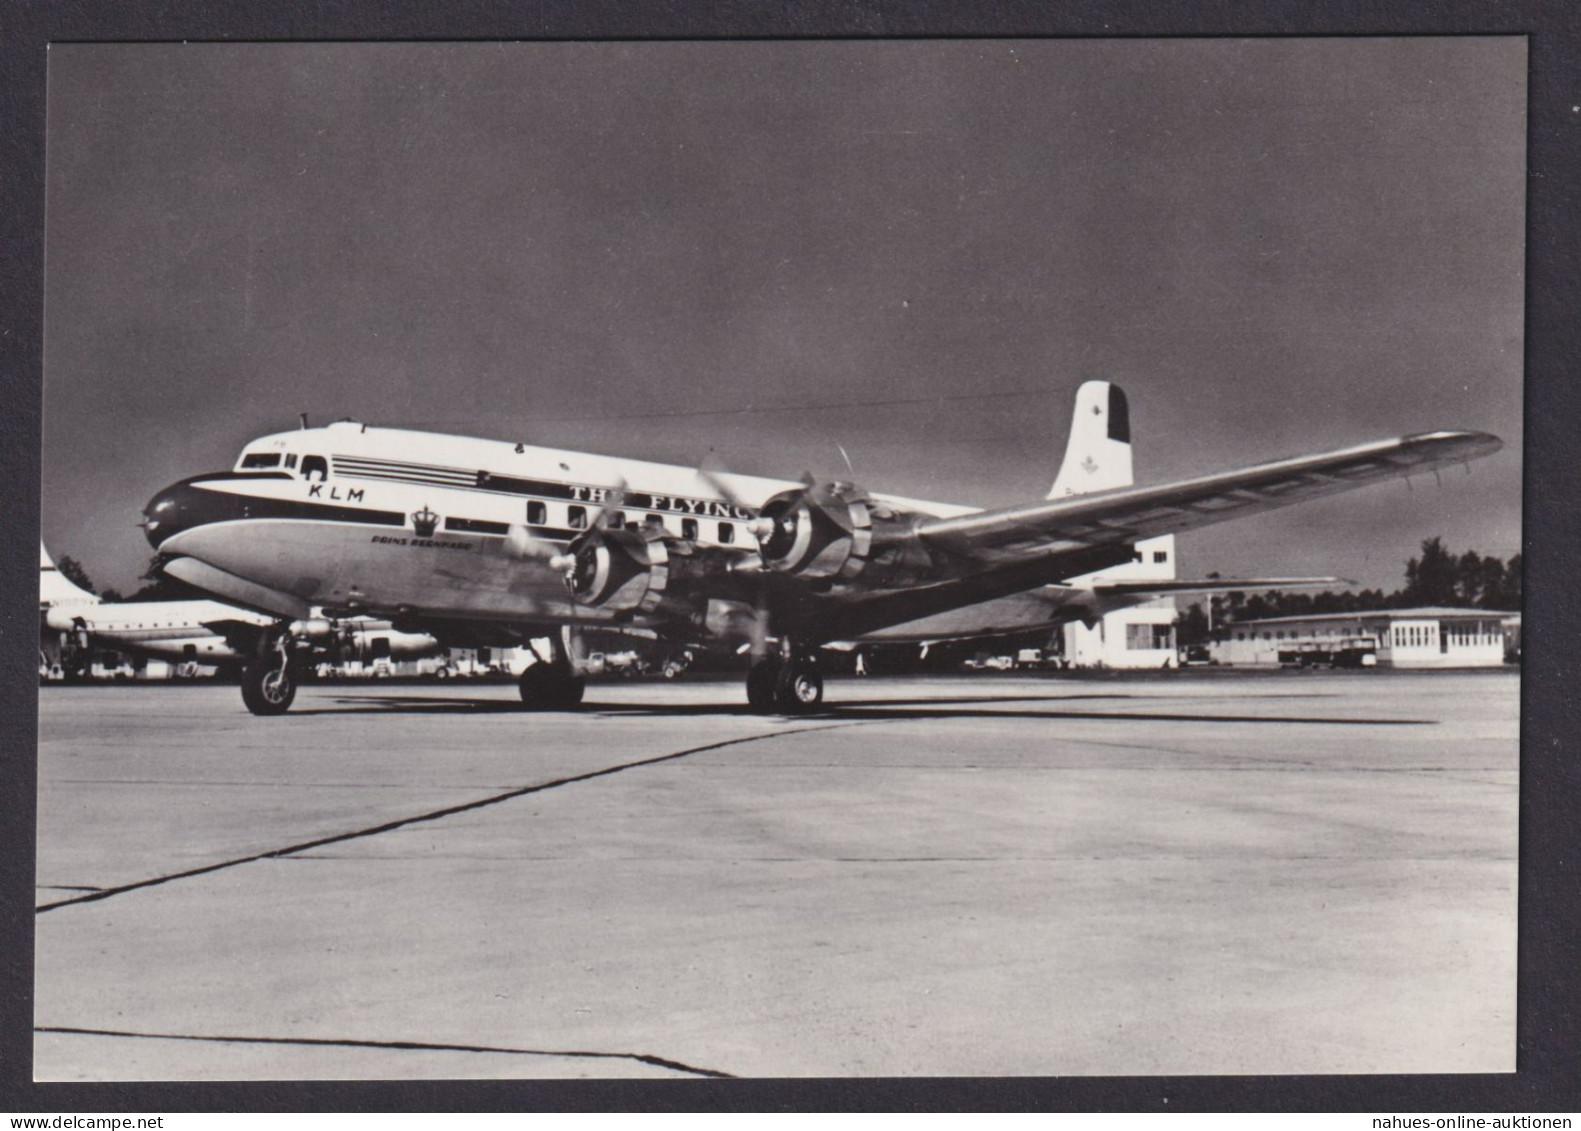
552	684
788	684
269	681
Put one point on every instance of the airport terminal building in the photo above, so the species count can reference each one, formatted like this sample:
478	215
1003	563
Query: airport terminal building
1142	636
1397	638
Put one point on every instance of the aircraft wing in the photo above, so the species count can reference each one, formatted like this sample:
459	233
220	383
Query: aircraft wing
242	637
1084	523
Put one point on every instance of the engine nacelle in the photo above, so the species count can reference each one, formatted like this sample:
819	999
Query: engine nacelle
318	630
643	572
836	532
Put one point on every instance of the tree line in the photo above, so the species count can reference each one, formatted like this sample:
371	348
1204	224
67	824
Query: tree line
1437	578
156	587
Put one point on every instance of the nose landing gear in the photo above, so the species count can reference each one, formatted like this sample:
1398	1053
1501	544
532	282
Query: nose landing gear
269	681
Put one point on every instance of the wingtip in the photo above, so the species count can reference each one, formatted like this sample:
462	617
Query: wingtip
1459	443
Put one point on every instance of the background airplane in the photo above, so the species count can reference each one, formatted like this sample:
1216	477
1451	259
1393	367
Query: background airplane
490	542
197	631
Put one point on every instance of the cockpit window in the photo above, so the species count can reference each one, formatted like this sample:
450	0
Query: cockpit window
290	459
315	468
254	460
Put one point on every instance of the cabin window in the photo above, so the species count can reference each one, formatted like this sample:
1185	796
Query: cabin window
1160	556
689	529
255	460
727	533
654	520
576	518
315	468
537	513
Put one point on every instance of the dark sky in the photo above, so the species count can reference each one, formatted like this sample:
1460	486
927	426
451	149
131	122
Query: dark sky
1275	246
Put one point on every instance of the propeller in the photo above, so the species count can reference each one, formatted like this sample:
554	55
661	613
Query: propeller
581	557
763	529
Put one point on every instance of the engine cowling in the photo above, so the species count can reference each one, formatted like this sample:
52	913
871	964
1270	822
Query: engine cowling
836	532
643	572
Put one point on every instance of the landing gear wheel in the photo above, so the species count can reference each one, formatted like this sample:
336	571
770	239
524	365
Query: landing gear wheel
268	689
799	689
761	680
549	687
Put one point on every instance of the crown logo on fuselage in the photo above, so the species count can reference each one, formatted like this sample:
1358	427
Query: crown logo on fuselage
1089	465
424	522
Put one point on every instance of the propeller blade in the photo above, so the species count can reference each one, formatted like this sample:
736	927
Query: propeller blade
612	504
523	544
719	486
760	528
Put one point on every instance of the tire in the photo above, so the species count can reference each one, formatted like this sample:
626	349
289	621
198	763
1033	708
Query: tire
761	680
268	689
546	687
800	691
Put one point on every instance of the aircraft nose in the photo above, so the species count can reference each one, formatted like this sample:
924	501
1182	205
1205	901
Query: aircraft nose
178	507
161	514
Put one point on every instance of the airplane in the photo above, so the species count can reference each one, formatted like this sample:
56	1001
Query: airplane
200	631
493	542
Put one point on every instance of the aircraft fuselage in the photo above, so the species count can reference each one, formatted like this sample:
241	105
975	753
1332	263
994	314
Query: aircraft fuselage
347	518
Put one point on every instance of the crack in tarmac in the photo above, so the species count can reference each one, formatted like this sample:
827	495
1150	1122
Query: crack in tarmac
433	815
405	1046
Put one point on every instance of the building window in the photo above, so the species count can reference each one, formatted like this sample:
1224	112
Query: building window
537	513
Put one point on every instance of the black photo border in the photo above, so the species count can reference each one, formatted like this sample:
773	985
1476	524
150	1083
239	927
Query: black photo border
1547	1078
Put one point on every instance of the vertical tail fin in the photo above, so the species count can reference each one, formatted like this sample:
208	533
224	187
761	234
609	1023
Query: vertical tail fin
55	589
1098	453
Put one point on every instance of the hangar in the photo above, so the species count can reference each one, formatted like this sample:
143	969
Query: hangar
1396	638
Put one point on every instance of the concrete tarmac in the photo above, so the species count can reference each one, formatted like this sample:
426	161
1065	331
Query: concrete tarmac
988	875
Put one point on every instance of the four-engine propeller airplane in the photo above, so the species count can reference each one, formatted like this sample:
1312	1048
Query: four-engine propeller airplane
482	542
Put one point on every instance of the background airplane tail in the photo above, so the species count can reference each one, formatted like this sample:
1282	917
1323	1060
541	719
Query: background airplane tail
54	588
1098	453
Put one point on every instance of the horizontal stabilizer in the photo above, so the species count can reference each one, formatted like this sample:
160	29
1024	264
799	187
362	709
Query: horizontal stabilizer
1220	585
